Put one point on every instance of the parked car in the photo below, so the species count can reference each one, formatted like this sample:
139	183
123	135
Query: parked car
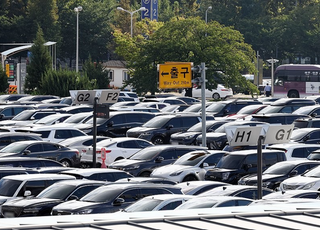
174	109
246	111
306	123
9	98
129	94
29	162
189	167
295	151
275	174
219	92
35	98
198	187
315	155
51	119
188	100
306	135
116	149
235	165
159	129
311	110
77	109
100	174
154	180
246	191
310	194
7	138
278	118
8	111
16	186
144	161
42	204
189	137
225	108
117	124
43	149
112	197
309	180
158	203
214	202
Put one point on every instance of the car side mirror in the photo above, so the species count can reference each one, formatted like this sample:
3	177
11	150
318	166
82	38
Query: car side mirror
110	124
73	197
314	115
306	138
226	112
2	116
26	152
293	173
118	201
247	166
159	159
27	193
169	126
205	164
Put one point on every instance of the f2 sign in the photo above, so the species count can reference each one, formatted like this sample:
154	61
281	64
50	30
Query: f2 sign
109	96
278	134
85	97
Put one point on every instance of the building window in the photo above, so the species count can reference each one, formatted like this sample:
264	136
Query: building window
111	75
126	76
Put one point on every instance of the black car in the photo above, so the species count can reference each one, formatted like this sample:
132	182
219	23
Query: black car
224	108
306	123
42	149
275	174
144	161
112	197
117	124
306	135
189	137
7	138
234	165
278	118
42	204
29	162
217	140
159	129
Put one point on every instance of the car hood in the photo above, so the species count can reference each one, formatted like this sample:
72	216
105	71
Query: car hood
168	169
213	135
181	135
300	180
264	177
27	202
74	205
8	154
222	170
140	129
125	162
83	126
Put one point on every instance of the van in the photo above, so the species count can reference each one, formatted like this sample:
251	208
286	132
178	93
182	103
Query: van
234	165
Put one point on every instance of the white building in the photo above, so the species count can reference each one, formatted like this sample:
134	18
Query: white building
118	73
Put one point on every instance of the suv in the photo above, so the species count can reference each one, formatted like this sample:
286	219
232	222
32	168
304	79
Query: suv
224	108
117	124
159	129
144	161
235	165
295	151
306	123
26	185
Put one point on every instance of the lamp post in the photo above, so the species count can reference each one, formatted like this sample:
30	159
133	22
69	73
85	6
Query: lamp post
272	61
206	16
131	14
77	10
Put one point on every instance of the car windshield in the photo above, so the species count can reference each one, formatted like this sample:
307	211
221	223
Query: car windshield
9	187
157	122
195	128
216	108
190	159
145	154
99	121
280	168
143	205
57	191
170	108
230	161
24	115
315	172
47	120
303	110
198	203
270	109
15	147
102	194
300	124
249	109
298	134
193	108
77	118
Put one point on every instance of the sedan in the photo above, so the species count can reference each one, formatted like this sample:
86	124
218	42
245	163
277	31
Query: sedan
116	149
306	135
189	167
42	204
42	149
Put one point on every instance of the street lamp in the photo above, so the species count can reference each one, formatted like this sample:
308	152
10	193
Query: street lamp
206	17
131	14
77	10
272	61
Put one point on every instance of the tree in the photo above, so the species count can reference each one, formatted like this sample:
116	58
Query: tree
185	40
40	63
97	74
3	81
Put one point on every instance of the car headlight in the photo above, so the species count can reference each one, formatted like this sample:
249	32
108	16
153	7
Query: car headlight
31	210
189	136
84	211
266	184
132	167
308	186
87	130
225	175
176	173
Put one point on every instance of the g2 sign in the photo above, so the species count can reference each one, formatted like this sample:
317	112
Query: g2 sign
85	97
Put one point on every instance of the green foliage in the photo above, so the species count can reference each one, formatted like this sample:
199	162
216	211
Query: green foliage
40	63
60	82
97	74
3	81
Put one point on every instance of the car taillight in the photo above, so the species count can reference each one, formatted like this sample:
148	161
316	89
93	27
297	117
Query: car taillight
224	89
83	150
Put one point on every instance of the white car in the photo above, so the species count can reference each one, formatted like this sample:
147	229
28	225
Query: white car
189	167
116	149
219	92
309	180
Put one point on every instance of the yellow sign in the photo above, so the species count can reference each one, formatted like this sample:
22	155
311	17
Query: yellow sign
8	70
175	75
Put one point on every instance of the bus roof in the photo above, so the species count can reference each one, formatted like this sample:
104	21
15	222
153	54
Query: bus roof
298	67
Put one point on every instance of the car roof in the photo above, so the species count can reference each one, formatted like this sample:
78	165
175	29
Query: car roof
279	115
90	171
251	151
81	182
41	176
292	145
167	146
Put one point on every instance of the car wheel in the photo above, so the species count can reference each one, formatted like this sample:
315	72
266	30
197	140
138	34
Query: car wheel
158	140
66	163
216	96
145	174
189	178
